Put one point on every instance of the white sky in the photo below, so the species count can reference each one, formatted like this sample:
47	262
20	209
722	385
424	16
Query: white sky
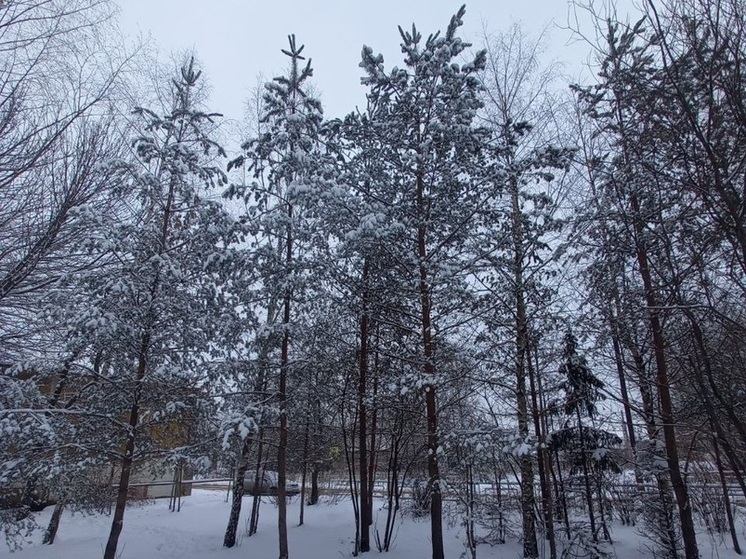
237	40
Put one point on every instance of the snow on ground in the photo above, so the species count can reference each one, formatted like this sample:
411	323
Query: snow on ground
152	531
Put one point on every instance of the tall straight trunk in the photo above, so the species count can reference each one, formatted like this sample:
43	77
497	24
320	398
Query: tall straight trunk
431	407
306	436
261	455
528	500
471	540
372	452
726	496
680	490
499	499
645	387
551	478
229	540
630	430
349	448
256	498
314	497
392	491
282	524
117	522
546	488
310	416
619	361
142	367
363	495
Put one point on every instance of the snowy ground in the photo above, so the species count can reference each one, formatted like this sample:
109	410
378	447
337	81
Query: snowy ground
152	531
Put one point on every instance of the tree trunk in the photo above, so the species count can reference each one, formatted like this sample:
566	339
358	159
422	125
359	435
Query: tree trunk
436	503
528	501
471	541
315	464
680	490
239	489
129	451
726	497
54	524
586	477
349	448
124	479
256	499
392	492
431	408
260	386
372	452
314	498
625	402
499	499
229	540
546	488
306	436
664	494
282	524
363	495
602	506
561	493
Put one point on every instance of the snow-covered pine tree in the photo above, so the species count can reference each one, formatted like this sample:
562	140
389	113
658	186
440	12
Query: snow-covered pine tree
423	120
147	317
361	220
285	160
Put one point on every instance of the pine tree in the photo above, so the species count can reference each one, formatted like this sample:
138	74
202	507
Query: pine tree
423	120
285	159
157	301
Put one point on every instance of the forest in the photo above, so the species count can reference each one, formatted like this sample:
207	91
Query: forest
490	296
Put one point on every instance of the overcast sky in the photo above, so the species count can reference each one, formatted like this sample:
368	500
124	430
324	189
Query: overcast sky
237	40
